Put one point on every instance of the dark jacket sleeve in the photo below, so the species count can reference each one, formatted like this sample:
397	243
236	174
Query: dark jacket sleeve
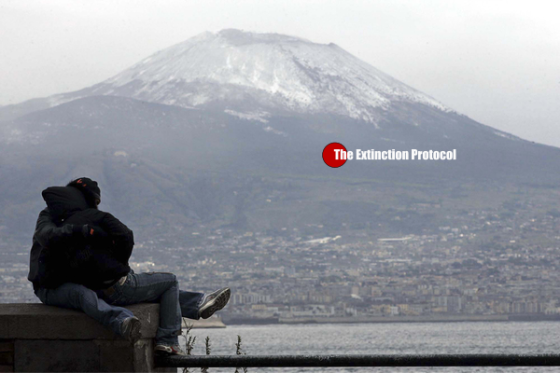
48	234
51	244
122	236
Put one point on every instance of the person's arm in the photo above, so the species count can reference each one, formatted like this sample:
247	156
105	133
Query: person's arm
121	235
49	235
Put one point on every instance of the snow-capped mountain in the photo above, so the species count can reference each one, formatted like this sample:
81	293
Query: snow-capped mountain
285	72
227	130
244	71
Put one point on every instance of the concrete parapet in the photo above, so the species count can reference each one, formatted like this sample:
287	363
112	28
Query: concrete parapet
35	337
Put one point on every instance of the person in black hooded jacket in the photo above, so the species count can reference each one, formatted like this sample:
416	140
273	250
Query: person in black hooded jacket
79	260
88	246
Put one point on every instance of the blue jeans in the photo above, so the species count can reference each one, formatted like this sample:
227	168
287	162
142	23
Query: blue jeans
104	306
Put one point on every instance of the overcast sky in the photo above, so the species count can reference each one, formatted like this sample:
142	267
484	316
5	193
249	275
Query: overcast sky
496	61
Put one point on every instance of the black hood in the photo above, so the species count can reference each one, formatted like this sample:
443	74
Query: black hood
89	188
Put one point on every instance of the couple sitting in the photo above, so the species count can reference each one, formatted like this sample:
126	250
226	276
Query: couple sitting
79	260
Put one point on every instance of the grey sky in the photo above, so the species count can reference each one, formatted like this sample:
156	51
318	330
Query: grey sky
495	61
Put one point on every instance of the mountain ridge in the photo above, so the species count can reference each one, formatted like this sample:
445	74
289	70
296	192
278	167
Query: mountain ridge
278	72
242	158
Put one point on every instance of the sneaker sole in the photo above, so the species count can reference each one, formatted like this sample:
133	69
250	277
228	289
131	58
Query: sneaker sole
163	353
217	304
166	352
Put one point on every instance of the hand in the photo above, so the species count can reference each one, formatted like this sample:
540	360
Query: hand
93	233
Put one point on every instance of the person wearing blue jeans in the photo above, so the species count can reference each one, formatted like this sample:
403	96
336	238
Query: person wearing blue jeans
79	260
106	306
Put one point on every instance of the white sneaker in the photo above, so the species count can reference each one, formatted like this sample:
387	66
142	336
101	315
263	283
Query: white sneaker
164	350
213	302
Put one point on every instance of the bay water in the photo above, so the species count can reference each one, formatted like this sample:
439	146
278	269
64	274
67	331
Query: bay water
392	338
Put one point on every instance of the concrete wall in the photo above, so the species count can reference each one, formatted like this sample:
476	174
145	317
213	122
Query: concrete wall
39	338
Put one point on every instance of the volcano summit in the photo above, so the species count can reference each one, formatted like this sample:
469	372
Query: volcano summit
270	71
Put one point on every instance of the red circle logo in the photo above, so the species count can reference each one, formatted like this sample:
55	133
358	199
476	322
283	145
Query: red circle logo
334	155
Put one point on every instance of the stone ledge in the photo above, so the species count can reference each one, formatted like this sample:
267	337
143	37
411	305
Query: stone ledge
38	321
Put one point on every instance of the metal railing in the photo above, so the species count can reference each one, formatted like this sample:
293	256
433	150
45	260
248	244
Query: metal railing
280	361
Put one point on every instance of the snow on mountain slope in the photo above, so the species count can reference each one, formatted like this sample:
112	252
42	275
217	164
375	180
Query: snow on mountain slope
246	72
275	71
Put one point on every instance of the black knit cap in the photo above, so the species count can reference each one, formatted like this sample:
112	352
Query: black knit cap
89	188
